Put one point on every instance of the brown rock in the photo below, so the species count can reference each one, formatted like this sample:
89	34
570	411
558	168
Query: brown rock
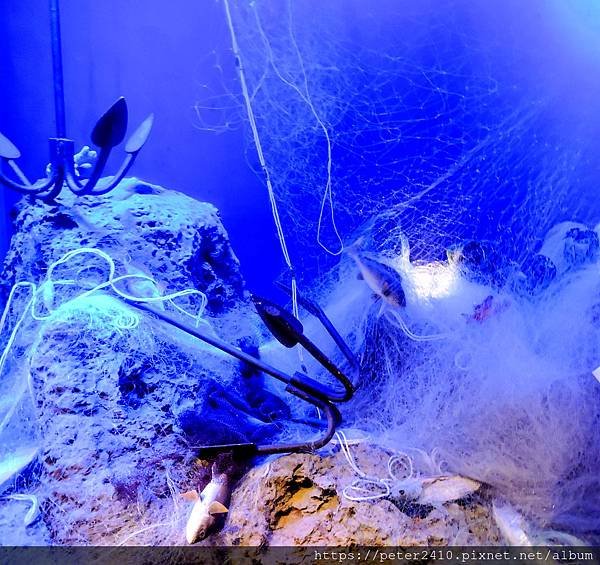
298	500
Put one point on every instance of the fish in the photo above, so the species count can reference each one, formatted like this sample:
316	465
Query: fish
440	490
209	505
511	524
488	308
433	490
383	280
33	511
484	310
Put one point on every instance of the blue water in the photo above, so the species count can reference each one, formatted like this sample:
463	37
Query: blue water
167	59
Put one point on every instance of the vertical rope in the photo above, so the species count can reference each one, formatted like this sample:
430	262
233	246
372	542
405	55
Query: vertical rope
261	157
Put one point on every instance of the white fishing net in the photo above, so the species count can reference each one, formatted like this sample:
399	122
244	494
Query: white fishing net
394	109
404	125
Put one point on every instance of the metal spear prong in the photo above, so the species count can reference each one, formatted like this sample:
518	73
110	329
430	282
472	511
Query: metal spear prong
8	154
133	146
108	132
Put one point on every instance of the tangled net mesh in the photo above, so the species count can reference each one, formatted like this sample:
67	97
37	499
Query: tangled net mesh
77	319
415	141
405	126
396	112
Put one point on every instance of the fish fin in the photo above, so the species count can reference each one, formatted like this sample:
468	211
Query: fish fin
359	276
190	495
217	508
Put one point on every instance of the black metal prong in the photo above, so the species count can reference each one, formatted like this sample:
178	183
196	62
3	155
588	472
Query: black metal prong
111	128
9	152
133	146
283	325
108	132
242	450
299	385
314	309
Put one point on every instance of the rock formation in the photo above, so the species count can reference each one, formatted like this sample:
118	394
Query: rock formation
112	387
298	500
118	400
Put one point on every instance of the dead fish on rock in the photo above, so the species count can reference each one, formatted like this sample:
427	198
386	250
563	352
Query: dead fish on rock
440	490
209	505
511	524
34	509
383	280
434	491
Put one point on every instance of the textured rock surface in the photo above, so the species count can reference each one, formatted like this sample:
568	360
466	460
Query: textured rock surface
298	500
109	399
145	228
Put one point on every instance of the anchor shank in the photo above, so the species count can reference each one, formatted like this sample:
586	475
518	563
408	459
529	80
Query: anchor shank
57	68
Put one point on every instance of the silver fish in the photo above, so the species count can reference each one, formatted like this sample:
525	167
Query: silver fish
208	506
511	524
440	490
382	279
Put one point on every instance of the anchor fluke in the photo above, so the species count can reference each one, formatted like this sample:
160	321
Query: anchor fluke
110	129
139	137
8	150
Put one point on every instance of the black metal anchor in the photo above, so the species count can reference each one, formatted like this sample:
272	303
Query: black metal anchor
108	132
289	332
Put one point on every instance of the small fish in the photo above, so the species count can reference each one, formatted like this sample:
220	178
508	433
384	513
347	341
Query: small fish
433	491
488	308
440	490
511	524
208	506
382	279
33	511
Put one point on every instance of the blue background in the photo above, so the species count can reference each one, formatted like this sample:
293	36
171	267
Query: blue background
164	57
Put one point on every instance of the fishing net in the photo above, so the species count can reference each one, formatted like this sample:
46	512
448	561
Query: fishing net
108	402
404	125
397	111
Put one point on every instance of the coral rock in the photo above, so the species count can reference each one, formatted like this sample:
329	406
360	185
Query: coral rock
298	500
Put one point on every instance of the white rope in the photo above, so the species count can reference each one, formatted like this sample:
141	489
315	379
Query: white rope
263	163
367	488
44	293
407	331
112	279
305	96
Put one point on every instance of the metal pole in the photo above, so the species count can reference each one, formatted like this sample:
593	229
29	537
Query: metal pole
59	94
